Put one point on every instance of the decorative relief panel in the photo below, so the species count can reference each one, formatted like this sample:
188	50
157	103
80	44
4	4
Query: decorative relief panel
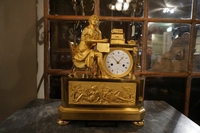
101	93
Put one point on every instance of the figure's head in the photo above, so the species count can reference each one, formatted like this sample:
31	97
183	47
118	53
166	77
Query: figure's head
149	50
93	19
185	37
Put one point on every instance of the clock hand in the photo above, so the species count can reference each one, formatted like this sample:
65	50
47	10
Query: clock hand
115	59
120	60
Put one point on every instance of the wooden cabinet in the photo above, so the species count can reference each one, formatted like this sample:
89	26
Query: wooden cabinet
167	36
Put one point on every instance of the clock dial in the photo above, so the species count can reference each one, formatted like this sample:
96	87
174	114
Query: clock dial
118	62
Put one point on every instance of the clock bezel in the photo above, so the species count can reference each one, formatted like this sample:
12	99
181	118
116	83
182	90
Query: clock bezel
118	75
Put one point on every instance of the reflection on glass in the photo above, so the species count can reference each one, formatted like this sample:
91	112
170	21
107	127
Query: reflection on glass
198	10
71	7
170	9
196	55
127	8
168	47
61	32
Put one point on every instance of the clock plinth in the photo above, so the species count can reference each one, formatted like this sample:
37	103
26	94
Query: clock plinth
101	99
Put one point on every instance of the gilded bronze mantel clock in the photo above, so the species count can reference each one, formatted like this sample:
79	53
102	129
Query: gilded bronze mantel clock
109	91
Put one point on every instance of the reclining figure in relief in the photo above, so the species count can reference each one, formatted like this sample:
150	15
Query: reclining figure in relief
84	55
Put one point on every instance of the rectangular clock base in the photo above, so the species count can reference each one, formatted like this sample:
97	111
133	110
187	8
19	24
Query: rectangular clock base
115	114
101	99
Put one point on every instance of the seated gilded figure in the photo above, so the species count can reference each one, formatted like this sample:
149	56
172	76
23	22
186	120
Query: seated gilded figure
85	55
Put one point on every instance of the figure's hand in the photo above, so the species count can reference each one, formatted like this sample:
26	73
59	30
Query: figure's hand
94	44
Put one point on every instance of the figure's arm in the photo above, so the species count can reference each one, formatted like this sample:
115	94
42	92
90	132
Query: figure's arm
97	41
99	33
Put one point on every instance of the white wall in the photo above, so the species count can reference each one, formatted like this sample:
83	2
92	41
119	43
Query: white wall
40	48
17	55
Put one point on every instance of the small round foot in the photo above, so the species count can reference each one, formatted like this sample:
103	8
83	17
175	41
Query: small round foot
62	122
138	123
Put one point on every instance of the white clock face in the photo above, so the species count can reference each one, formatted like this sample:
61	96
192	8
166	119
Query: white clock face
118	63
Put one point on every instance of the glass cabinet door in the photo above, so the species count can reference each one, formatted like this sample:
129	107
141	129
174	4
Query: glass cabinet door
196	52
198	9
